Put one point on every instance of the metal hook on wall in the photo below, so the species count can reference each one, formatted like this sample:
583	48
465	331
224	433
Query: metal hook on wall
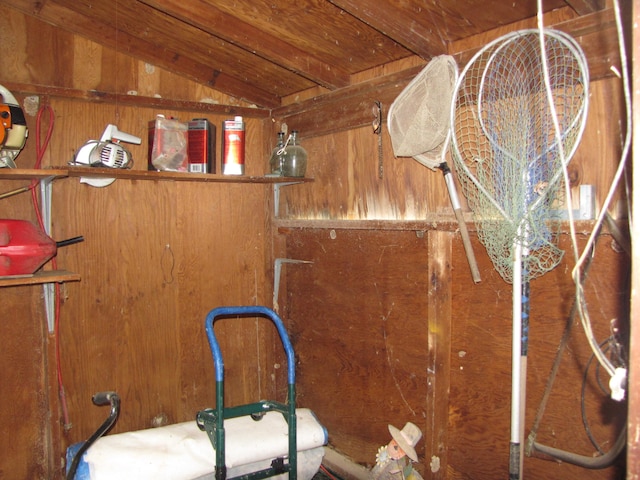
377	130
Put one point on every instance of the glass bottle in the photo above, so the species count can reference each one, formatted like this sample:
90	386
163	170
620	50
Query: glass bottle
295	158
275	161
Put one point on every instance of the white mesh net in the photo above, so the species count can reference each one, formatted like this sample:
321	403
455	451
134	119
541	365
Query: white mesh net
418	119
508	155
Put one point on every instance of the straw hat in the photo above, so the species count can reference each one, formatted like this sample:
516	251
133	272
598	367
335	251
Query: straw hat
407	438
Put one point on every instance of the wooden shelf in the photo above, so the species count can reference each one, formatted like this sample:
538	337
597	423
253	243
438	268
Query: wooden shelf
31	173
94	172
59	276
49	276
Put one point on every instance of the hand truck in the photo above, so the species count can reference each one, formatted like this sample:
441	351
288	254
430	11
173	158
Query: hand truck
212	420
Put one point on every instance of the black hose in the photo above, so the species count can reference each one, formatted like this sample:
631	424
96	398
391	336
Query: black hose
102	398
69	241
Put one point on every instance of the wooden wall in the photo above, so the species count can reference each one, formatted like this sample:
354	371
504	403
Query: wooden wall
387	325
156	257
378	329
387	335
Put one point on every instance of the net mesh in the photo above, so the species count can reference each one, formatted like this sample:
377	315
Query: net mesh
418	119
506	152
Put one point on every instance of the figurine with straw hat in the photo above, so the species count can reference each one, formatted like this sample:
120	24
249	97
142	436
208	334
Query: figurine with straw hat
395	460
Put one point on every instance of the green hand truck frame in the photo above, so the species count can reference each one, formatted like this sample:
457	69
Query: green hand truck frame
212	420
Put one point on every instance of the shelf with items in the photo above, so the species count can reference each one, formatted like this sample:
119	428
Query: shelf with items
94	172
176	176
46	176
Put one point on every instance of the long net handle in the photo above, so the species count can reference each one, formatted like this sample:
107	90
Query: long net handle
464	232
468	249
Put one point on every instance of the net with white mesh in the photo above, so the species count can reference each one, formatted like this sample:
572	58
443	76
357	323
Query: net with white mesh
517	119
418	119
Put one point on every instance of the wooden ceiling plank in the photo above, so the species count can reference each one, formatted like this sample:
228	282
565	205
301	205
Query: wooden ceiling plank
583	7
350	107
103	33
204	16
184	40
414	30
96	96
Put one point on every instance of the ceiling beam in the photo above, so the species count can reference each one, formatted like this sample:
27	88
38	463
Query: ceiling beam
203	15
351	106
582	7
137	101
411	26
138	47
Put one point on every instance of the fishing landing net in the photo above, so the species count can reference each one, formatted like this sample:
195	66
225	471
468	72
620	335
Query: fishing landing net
518	115
418	123
513	135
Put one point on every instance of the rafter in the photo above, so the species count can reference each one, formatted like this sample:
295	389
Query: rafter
583	7
164	56
411	28
206	17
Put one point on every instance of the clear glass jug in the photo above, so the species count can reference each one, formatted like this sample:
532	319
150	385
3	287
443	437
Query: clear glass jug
295	158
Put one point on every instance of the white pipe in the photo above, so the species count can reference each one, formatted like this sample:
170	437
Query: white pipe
517	426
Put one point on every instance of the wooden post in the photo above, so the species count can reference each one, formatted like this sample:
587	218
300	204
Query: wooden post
439	364
633	446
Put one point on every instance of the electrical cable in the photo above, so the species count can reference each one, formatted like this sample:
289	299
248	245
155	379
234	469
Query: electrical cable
605	346
602	461
41	147
328	473
582	257
534	449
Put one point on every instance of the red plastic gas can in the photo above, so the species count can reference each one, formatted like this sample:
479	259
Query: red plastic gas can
24	248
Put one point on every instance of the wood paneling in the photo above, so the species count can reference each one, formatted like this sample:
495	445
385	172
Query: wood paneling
372	318
436	436
344	166
361	319
633	447
157	256
359	322
45	55
26	443
262	51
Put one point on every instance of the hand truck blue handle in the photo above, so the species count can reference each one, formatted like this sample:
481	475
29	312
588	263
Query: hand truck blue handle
245	311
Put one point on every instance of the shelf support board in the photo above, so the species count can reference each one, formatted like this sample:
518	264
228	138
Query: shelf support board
48	289
276	195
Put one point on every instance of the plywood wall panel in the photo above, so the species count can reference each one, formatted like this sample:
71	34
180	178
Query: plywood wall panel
347	185
156	257
345	168
358	318
480	368
153	264
23	379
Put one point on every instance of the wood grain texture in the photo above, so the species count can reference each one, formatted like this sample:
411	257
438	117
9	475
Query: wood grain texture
440	306
480	367
358	319
346	186
56	58
26	446
157	256
368	292
633	448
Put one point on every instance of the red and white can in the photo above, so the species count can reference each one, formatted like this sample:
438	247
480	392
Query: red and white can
233	147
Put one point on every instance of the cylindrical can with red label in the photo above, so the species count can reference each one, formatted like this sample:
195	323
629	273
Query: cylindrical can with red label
233	147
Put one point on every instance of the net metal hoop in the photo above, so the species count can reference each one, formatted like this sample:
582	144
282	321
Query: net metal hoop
494	150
